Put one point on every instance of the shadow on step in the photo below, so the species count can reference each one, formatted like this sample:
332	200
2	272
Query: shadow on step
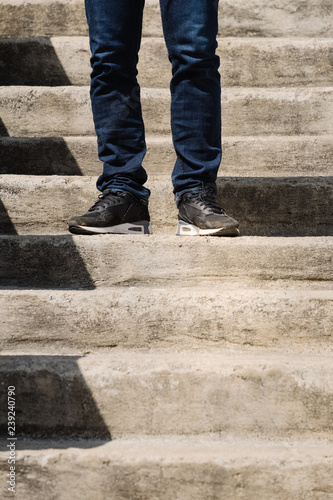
6	225
3	132
38	156
30	61
42	262
52	401
279	206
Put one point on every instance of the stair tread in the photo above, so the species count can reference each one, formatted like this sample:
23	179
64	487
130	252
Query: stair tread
247	18
66	261
153	392
246	61
52	111
294	206
287	316
273	156
123	363
197	448
176	467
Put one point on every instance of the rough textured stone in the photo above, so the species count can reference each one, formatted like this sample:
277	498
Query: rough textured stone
261	156
277	156
293	317
237	18
160	393
42	18
88	262
178	468
277	18
263	206
44	111
244	62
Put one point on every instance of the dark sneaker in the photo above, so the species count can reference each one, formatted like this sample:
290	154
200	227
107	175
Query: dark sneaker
199	214
114	212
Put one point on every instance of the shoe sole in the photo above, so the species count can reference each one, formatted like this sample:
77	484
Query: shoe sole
139	227
186	229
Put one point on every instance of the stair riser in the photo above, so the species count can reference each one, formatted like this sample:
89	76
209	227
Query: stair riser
162	394
262	206
242	156
230	474
247	63
60	322
246	18
87	262
41	111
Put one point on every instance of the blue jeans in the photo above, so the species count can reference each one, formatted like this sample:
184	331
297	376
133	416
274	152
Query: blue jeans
190	30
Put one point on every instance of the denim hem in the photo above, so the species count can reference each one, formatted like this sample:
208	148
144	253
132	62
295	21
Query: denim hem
178	196
122	190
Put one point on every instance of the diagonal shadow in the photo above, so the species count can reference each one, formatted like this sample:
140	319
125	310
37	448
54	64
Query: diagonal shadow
52	400
3	130
279	206
42	262
31	61
6	225
37	156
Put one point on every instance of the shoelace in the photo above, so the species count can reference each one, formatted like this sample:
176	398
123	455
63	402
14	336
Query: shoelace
101	203
206	199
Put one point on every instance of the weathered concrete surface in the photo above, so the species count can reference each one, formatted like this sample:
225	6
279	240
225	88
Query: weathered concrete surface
278	18
52	155
263	156
162	392
237	18
263	206
161	468
86	262
22	18
276	62
42	18
277	156
289	317
244	62
44	111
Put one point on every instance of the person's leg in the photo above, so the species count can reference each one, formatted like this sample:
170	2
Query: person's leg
115	29
190	30
115	33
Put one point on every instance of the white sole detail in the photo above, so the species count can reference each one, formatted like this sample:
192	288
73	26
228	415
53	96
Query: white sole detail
186	229
140	227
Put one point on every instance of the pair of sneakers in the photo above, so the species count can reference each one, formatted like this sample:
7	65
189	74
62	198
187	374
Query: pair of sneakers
120	212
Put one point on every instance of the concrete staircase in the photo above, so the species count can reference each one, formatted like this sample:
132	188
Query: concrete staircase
161	367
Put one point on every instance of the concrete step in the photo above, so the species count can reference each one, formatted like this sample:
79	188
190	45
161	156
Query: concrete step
266	156
45	111
81	262
237	18
137	392
178	467
298	206
244	62
288	317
